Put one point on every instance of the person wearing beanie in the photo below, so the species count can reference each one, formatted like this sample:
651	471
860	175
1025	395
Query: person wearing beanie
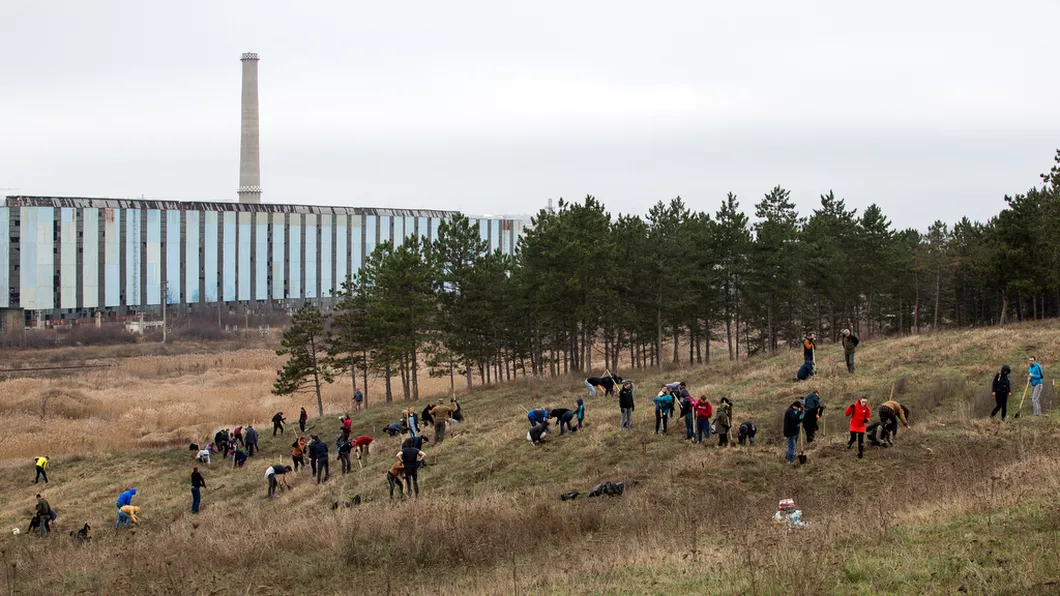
850	344
1001	389
723	421
809	347
580	412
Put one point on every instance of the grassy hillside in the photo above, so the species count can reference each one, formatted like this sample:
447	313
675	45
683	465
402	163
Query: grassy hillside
960	502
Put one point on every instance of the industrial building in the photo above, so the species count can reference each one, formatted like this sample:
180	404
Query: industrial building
71	258
65	260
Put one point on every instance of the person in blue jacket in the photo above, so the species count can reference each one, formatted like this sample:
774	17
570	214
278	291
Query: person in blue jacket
812	410
1035	375
580	412
805	371
537	416
664	408
124	499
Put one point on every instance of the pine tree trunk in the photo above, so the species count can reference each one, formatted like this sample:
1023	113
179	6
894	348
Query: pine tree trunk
770	327
404	366
916	305
728	332
415	376
587	340
737	324
404	377
657	357
633	350
699	344
364	356
706	340
389	388
353	378
693	341
677	337
452	376
316	373
938	297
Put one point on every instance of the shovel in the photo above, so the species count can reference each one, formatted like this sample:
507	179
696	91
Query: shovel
799	445
1025	388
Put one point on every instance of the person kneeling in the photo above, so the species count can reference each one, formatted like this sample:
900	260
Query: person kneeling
536	436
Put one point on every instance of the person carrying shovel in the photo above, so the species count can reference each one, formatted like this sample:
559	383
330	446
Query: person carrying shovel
1035	377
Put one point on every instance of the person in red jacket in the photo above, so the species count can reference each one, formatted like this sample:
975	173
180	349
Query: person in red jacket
362	444
859	414
703	411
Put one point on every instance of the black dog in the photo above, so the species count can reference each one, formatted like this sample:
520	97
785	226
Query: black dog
608	383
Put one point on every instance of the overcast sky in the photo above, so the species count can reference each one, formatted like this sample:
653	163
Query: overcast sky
934	110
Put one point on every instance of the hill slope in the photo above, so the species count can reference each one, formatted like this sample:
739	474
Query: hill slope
959	502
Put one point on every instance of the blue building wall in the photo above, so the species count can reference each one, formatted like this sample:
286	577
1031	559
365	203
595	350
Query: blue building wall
70	257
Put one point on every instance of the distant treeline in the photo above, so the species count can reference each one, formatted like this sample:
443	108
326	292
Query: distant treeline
678	277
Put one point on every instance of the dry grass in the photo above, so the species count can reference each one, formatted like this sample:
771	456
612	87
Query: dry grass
156	401
960	503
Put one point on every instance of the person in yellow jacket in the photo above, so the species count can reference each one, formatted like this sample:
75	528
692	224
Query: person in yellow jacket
126	514
42	465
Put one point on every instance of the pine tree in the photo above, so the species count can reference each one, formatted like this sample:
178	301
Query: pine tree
302	341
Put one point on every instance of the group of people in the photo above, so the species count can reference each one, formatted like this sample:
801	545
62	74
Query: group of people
438	415
1001	388
803	416
700	416
237	445
847	339
567	419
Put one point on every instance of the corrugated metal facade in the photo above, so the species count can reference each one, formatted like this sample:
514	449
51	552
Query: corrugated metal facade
71	257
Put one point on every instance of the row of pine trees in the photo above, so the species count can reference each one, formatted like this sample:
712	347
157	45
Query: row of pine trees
672	286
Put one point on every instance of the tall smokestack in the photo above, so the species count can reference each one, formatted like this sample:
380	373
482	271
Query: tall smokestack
249	144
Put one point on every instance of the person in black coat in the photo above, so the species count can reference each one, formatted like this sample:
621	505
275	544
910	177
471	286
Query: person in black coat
792	427
318	453
564	416
747	432
625	404
1001	389
425	416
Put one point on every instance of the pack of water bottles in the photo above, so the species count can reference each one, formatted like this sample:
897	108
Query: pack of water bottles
788	514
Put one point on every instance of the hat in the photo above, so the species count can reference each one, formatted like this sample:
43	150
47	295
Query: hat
579	401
